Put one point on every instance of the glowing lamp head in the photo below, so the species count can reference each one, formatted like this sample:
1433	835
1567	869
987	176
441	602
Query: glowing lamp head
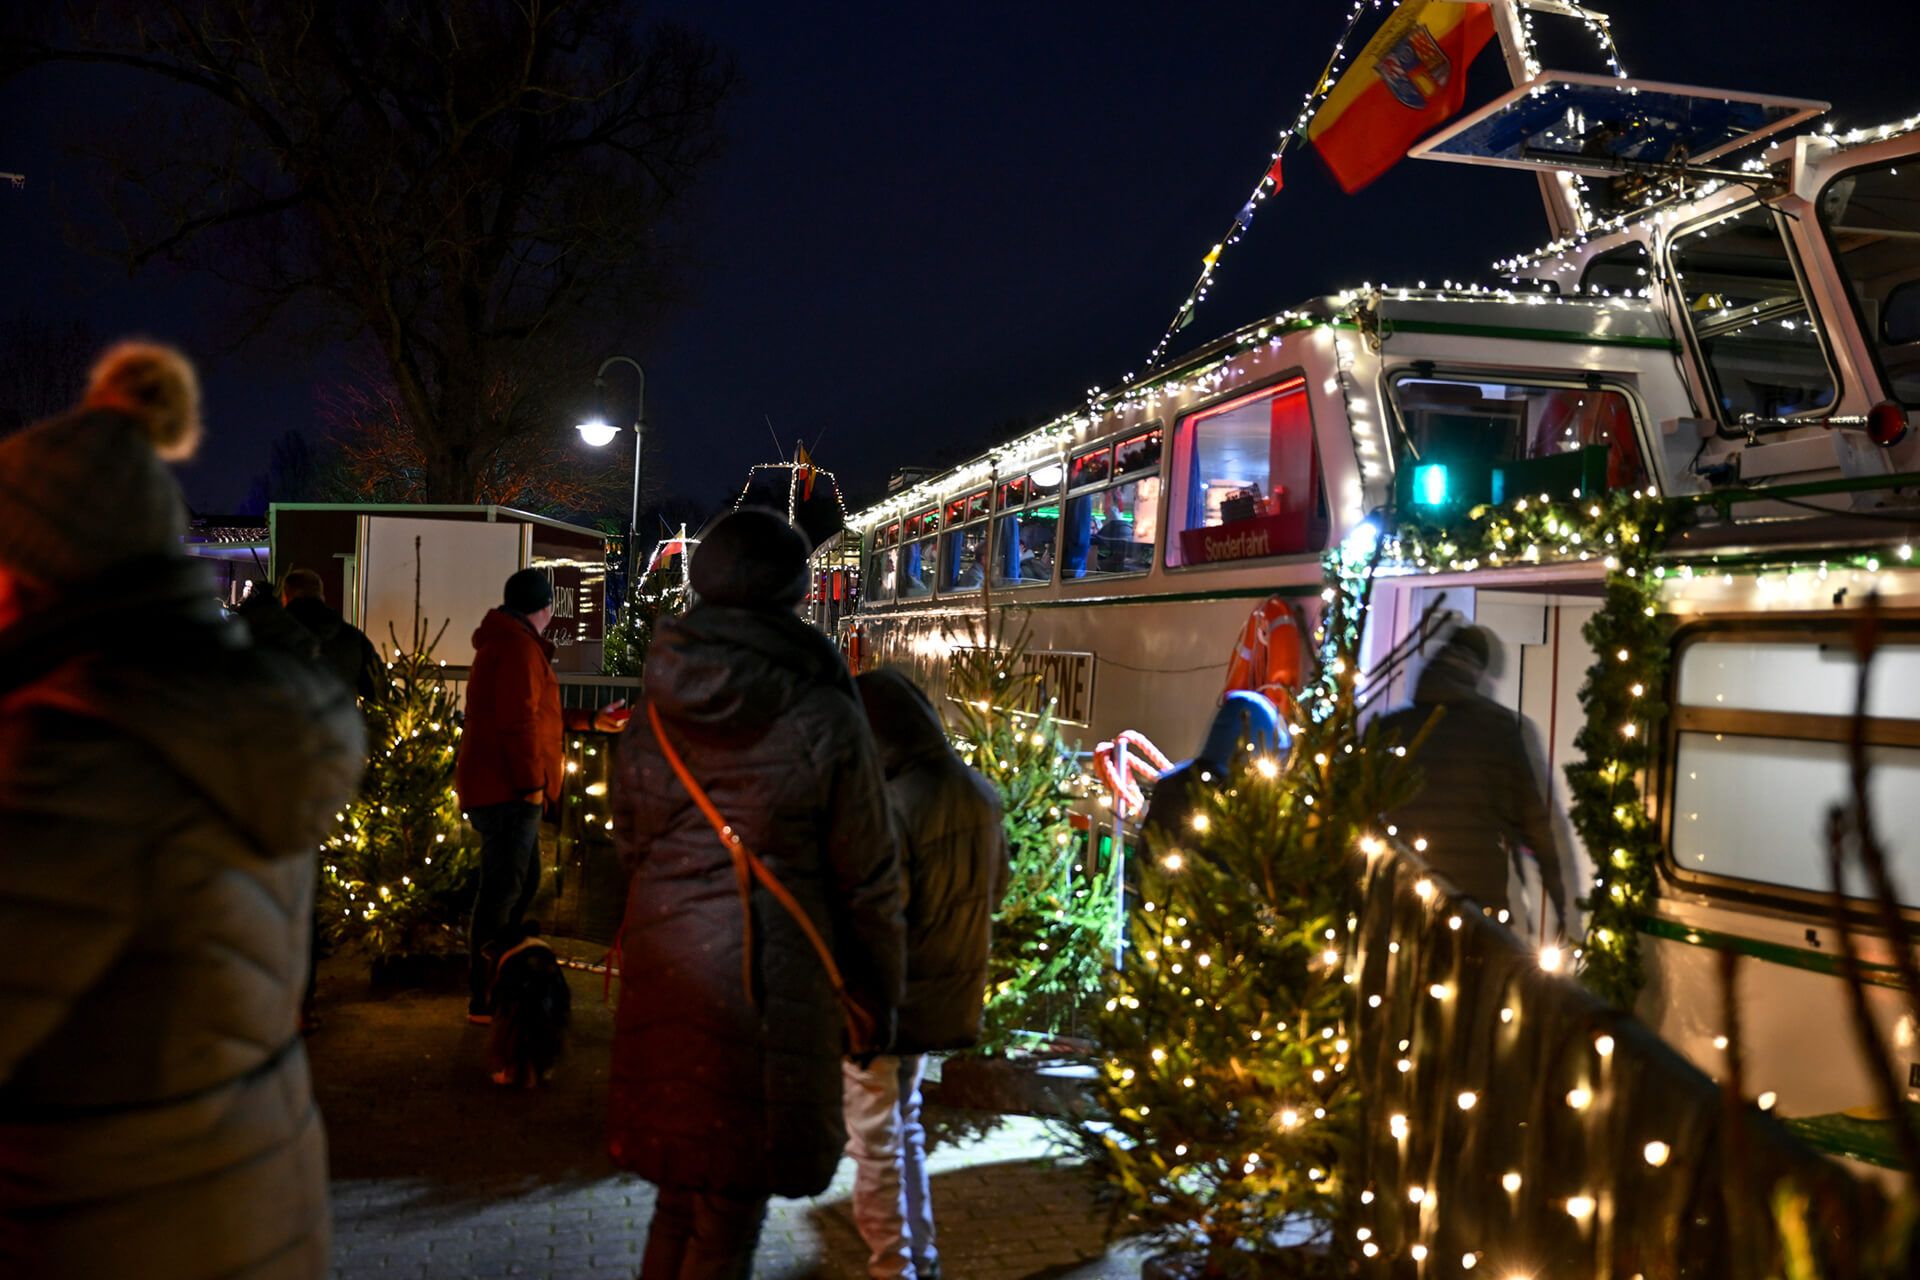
1430	487
1886	424
597	432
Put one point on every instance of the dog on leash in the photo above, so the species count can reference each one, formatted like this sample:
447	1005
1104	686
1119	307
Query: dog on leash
532	1006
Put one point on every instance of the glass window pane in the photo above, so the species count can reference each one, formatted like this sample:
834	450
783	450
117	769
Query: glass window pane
1247	479
956	511
1873	221
1805	678
880	574
1756	808
964	548
1140	454
977	505
1013	493
1111	531
1501	440
1045	481
1625	271
1023	547
1090	468
893	535
918	565
1753	325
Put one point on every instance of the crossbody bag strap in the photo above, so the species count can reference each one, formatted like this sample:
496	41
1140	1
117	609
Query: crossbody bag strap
748	867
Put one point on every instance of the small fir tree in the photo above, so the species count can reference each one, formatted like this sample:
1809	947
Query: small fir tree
1226	1111
397	869
660	594
1054	933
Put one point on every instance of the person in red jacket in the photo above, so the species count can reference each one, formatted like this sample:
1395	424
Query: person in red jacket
511	762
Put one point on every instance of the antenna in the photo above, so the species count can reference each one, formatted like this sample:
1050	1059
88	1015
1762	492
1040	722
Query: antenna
778	451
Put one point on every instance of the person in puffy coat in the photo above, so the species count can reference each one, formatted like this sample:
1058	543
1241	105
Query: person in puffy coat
954	855
721	1096
163	786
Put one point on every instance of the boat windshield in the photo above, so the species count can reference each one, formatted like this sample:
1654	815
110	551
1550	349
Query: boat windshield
1872	217
1751	319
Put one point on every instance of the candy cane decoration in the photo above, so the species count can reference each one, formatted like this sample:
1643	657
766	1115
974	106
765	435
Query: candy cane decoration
1123	762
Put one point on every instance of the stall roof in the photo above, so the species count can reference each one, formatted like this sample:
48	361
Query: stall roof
492	512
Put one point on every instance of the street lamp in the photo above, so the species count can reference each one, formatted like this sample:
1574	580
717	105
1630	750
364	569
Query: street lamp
599	433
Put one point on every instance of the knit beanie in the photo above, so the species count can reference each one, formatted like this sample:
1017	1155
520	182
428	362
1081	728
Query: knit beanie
528	591
156	386
83	494
752	559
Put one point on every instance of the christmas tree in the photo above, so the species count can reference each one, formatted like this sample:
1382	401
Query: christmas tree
661	593
1226	1109
397	869
1054	934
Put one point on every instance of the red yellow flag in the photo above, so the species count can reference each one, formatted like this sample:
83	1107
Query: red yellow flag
1411	77
803	469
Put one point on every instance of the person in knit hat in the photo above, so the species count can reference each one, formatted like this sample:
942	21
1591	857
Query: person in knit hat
163	785
511	765
729	1038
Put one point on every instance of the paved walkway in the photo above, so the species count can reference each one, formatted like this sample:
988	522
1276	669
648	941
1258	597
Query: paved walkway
438	1173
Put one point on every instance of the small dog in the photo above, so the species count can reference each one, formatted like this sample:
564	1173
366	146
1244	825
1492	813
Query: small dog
532	1006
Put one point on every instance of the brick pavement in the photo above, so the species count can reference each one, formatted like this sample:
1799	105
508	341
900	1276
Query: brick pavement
438	1173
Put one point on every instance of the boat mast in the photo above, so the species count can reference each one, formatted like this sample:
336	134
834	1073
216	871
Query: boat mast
1566	212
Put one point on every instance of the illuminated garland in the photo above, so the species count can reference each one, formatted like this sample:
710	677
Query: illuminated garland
1621	696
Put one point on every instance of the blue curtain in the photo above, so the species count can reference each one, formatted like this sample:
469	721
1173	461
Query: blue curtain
1196	498
1007	547
1079	521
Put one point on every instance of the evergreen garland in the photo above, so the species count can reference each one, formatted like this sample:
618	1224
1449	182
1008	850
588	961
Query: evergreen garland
1053	935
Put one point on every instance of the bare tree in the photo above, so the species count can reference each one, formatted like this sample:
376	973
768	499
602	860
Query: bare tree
452	179
43	366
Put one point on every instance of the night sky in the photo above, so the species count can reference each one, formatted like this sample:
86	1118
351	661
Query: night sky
932	226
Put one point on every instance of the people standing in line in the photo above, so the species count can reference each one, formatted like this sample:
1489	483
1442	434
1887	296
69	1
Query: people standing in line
163	784
512	763
1482	803
726	1086
956	863
344	648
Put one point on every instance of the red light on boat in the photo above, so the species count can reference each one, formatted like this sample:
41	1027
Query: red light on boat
1887	424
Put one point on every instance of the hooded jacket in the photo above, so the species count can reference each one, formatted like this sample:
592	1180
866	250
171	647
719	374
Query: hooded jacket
712	1090
163	786
954	856
344	648
1481	801
510	745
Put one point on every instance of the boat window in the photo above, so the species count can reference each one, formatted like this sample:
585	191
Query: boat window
1750	318
918	557
1872	218
964	543
1140	454
1623	271
878	585
1761	723
1472	442
1246	480
1090	468
1025	540
1111	530
1013	494
956	511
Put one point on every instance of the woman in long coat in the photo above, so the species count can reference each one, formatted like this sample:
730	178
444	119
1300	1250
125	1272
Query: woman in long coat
726	1076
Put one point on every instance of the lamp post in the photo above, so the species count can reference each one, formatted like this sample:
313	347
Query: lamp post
597	432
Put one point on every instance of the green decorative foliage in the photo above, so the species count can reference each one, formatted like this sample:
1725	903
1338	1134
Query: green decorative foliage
657	595
1622	695
1227	1112
397	870
1053	936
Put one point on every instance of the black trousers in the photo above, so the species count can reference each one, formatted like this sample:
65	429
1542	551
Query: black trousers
509	877
696	1235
